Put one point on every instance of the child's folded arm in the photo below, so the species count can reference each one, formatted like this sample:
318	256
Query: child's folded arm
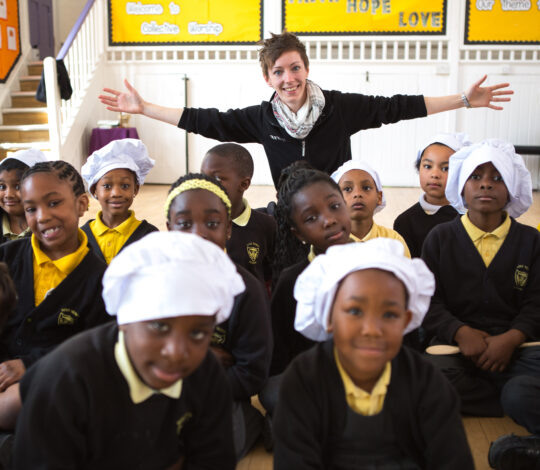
51	420
209	444
438	320
252	347
446	444
297	428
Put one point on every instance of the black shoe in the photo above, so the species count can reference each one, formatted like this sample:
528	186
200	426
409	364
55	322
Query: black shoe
513	452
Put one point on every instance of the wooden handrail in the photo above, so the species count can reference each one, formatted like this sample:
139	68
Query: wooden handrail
73	33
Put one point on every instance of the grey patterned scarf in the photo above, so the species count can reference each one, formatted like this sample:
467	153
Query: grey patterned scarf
299	125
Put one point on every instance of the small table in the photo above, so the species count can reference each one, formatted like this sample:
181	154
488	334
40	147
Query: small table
101	137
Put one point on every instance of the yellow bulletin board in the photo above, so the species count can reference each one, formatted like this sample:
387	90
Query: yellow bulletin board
151	22
10	42
373	17
502	22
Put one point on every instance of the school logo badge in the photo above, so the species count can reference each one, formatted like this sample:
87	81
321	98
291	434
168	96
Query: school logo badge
67	316
183	420
521	274
253	250
218	336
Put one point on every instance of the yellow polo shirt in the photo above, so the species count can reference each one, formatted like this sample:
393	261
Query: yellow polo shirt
378	231
243	219
487	243
138	390
6	230
48	274
111	240
360	401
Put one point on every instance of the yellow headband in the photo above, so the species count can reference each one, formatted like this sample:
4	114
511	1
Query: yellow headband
197	184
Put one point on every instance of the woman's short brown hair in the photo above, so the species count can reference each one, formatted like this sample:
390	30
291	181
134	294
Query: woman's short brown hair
275	46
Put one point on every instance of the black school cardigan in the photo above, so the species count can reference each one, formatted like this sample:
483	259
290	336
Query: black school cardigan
288	342
311	411
73	306
326	147
414	225
252	246
143	229
77	413
495	299
247	336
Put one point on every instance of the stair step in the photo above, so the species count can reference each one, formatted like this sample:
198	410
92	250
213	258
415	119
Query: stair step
29	82
15	116
24	133
35	68
26	99
7	148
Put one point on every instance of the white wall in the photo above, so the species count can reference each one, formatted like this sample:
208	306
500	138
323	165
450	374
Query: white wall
237	82
65	14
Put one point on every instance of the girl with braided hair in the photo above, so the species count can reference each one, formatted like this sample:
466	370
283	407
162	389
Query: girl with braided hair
57	277
199	204
311	216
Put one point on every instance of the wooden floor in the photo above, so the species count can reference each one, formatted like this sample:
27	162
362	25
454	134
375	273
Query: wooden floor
480	431
149	204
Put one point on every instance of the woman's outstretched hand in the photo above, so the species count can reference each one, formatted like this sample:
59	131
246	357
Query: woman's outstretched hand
480	97
123	102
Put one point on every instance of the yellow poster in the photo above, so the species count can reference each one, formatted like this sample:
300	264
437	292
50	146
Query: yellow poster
185	22
502	22
392	17
10	43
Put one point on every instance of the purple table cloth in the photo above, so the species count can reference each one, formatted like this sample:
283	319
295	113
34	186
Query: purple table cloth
101	137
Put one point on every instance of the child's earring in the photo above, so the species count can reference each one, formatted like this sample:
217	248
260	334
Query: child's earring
303	242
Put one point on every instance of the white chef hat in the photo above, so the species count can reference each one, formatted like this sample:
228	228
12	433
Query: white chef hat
29	157
316	287
130	154
170	274
359	165
509	164
455	141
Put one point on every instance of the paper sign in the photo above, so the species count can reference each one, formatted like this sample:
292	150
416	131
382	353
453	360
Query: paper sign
388	17
185	22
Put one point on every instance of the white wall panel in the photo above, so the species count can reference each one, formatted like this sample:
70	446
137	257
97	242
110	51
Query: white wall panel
229	77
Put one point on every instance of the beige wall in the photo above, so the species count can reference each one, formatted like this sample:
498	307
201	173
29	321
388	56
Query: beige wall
65	14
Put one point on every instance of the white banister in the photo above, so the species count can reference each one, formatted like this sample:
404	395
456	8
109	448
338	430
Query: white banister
82	53
53	106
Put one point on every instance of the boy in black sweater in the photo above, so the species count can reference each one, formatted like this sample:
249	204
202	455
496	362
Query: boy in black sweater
487	271
146	393
251	244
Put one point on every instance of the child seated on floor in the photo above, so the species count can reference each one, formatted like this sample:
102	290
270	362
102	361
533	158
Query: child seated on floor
145	391
57	277
114	175
251	244
363	193
360	400
199	204
487	272
432	209
13	223
310	212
